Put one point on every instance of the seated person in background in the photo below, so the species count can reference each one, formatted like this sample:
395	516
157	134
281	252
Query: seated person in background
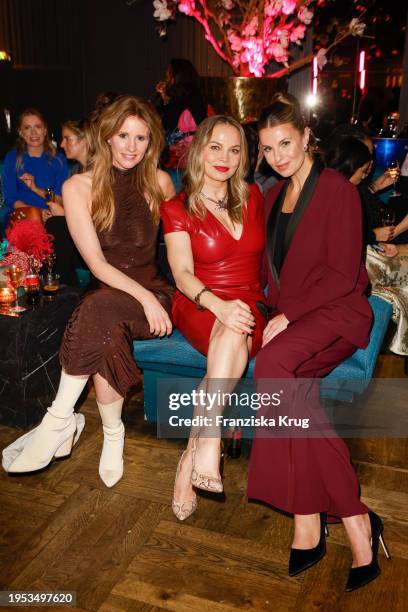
182	108
31	169
353	158
369	189
78	144
214	232
179	91
387	268
401	205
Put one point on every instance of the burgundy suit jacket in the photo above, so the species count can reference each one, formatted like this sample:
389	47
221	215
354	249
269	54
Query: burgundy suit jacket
323	268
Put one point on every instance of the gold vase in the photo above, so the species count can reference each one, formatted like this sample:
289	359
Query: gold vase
242	97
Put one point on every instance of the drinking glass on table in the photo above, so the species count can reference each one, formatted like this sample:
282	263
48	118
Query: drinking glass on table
50	284
15	274
393	170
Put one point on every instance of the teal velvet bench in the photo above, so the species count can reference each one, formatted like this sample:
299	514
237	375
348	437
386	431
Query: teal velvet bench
174	357
84	277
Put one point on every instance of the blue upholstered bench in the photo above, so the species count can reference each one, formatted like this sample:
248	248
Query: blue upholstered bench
84	277
175	357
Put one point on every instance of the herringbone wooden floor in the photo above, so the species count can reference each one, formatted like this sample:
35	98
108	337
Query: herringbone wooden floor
122	549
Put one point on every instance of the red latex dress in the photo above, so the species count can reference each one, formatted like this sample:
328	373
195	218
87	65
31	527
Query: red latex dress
230	268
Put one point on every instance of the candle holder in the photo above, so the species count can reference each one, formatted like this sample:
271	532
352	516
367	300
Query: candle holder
7	296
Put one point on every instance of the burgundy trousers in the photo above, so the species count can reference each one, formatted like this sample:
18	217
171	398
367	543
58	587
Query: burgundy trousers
303	475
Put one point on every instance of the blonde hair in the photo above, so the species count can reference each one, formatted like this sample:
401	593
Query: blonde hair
83	129
194	176
145	178
21	145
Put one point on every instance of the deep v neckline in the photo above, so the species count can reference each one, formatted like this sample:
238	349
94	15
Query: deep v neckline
225	228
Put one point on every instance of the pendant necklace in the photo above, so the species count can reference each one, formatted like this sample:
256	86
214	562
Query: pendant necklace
221	204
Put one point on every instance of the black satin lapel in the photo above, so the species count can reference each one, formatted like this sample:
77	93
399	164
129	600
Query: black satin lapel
304	198
271	230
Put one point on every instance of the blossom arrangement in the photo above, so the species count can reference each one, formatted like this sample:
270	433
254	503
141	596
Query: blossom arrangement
27	245
249	34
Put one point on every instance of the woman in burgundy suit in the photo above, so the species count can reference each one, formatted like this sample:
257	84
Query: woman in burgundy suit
318	315
214	234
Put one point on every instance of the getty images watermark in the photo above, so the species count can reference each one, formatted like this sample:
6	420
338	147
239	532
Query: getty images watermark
280	407
211	403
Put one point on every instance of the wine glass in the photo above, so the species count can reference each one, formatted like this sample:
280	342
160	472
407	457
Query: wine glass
15	274
387	217
393	170
50	263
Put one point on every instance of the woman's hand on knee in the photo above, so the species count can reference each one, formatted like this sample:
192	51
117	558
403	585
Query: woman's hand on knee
157	317
235	315
274	327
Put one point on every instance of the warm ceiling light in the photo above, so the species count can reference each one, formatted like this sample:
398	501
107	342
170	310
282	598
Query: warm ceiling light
5	56
312	100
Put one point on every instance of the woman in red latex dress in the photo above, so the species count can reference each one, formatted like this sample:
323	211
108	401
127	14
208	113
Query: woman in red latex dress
214	233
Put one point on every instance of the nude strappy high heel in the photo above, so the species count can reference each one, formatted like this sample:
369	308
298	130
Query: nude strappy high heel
204	481
181	509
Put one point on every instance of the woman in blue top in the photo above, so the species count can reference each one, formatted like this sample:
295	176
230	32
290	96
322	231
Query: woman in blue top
31	168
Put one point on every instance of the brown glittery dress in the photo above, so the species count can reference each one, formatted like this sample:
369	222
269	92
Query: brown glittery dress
98	337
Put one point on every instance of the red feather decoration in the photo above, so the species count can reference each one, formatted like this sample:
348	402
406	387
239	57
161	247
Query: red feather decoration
30	237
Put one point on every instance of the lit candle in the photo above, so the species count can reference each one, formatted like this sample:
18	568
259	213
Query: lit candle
7	295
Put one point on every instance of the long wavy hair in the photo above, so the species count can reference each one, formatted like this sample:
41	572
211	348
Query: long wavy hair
145	175
83	129
194	176
21	146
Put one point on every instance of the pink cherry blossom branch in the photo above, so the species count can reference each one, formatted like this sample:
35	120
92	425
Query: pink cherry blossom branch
303	61
247	35
227	56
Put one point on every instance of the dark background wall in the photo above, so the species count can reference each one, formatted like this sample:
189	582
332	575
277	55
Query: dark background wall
64	52
123	51
44	38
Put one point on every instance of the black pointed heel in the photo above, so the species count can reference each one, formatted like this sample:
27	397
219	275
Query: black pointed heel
300	560
360	576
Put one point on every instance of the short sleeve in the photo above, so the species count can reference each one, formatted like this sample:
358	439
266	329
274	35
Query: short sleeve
174	216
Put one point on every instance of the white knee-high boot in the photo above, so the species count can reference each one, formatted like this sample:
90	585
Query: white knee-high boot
111	462
54	436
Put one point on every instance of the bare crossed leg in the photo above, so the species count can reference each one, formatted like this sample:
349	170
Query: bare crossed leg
227	359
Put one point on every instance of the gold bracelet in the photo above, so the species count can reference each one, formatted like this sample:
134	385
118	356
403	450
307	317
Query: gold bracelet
197	297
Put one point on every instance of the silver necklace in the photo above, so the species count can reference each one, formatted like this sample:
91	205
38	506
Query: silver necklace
221	204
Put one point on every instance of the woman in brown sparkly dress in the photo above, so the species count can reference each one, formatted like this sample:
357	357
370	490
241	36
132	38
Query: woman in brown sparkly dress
113	214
